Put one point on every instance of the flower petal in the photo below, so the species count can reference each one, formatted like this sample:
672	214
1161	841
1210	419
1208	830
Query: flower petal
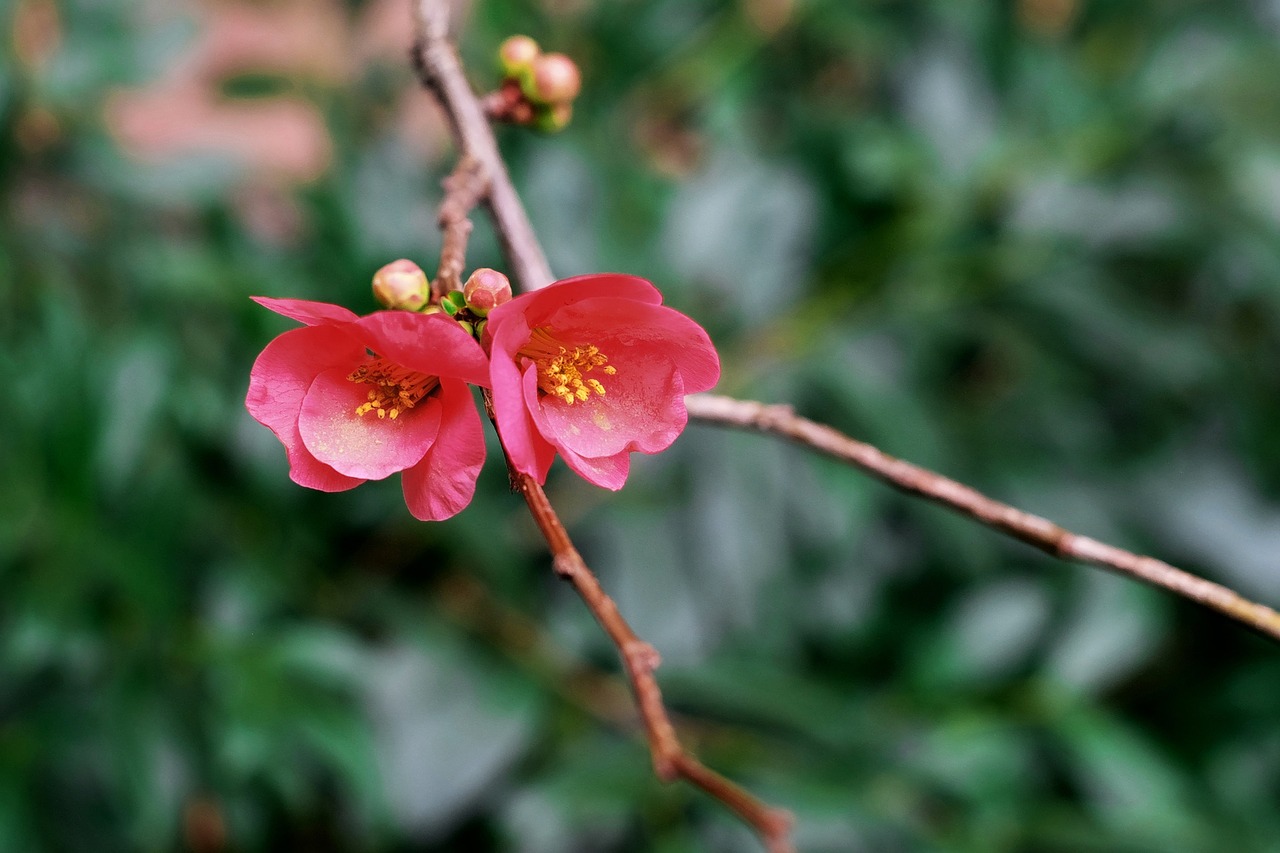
642	409
278	383
658	356
542	451
306	311
609	472
443	483
525	447
428	343
672	337
537	306
363	445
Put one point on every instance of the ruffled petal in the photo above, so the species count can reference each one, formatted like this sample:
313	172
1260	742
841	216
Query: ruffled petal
306	311
428	343
609	472
278	383
610	323
542	451
519	436
537	306
363	445
658	354
642	409
443	483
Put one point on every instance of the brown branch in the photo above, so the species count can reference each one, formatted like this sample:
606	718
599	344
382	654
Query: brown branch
463	189
471	606
440	70
1038	532
671	761
529	268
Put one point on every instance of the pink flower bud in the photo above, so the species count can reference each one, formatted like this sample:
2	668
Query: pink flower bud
485	290
516	54
553	79
401	285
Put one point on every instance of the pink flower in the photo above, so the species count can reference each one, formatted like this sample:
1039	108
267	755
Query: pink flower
593	368
359	398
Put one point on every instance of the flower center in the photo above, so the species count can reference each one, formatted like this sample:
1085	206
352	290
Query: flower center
394	390
562	370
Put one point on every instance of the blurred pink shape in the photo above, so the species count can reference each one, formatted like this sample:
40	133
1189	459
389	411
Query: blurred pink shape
185	111
285	137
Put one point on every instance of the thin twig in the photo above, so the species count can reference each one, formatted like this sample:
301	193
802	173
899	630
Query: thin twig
529	268
1043	534
440	70
463	189
671	760
471	606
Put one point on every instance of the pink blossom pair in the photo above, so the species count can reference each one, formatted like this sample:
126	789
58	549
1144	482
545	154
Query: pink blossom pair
590	368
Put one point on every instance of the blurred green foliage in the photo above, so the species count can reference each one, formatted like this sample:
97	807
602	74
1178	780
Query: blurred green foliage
1034	245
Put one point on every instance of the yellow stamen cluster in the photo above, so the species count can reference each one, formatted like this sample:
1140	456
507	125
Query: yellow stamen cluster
394	390
562	370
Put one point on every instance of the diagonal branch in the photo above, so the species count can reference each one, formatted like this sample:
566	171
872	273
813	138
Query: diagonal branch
438	66
1032	529
671	761
441	72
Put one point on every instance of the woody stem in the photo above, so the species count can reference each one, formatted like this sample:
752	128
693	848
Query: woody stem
463	189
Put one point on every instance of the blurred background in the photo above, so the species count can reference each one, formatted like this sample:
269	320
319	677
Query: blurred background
1034	245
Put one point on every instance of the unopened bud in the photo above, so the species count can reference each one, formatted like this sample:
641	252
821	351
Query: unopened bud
553	79
516	54
485	290
553	118
453	302
401	285
468	327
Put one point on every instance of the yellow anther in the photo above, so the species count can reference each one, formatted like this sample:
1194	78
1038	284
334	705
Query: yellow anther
562	369
394	390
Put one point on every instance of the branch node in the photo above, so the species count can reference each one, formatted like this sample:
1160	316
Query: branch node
641	657
772	416
670	760
666	767
440	70
566	565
